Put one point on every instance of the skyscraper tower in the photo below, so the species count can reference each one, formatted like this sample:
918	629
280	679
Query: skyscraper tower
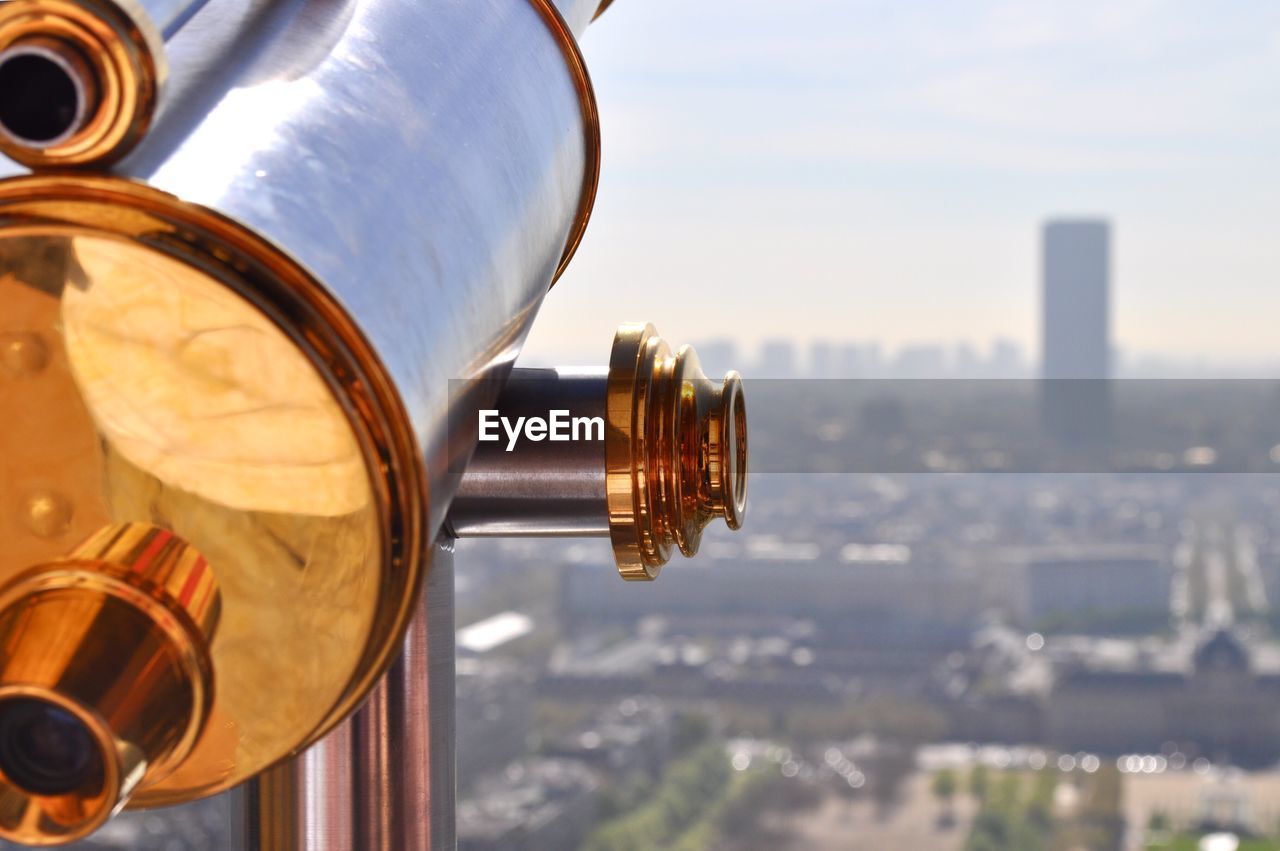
1076	277
1076	337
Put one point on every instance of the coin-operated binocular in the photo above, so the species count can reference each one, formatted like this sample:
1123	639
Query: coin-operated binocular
243	371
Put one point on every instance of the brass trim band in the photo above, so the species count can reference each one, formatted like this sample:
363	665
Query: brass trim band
591	127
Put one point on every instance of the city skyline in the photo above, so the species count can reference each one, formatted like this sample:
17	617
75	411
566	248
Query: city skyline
1074	290
1001	357
888	182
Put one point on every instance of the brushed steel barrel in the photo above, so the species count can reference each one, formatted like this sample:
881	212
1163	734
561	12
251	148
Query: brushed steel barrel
425	161
394	184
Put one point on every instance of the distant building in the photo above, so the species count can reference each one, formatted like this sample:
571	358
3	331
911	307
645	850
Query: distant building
920	361
628	738
859	360
1208	695
1214	701
495	716
1007	360
1076	299
495	632
717	357
966	363
876	600
776	673
823	362
777	360
534	805
1074	583
1076	329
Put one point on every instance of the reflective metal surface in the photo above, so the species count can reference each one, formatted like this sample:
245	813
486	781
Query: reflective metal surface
168	16
106	681
604	4
540	488
578	13
305	804
265	329
384	780
405	736
675	451
136	388
427	162
671	457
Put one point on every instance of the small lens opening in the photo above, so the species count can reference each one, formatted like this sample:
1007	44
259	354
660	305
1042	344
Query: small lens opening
47	750
40	101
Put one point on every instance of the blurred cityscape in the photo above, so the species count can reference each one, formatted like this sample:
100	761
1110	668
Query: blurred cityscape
980	614
1082	661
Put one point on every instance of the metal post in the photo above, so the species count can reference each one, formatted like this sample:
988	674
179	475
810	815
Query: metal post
384	780
305	803
405	736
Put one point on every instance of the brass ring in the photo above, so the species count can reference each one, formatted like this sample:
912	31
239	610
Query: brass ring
591	127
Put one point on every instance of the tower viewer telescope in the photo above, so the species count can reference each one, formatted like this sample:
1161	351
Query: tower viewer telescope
263	263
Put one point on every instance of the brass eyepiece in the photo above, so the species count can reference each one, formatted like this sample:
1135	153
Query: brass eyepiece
676	451
105	678
79	81
671	457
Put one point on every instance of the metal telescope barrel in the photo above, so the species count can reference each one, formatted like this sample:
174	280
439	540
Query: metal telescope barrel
241	370
169	16
248	332
82	81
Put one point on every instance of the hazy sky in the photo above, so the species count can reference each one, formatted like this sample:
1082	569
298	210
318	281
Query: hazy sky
879	170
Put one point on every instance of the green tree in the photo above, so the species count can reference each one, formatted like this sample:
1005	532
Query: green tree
944	788
1039	809
979	782
691	787
1104	809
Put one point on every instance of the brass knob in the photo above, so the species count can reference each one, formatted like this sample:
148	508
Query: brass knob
105	678
675	451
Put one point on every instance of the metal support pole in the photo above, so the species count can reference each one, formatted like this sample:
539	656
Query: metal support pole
405	736
383	780
306	803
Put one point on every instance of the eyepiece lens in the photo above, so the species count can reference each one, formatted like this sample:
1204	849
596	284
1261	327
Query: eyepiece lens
46	750
38	98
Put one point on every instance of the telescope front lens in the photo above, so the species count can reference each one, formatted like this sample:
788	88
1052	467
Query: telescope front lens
46	750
